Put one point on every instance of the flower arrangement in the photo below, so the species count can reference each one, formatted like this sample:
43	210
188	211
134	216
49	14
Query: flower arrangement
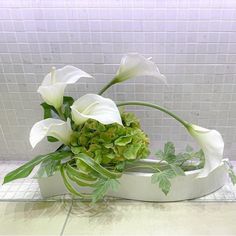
99	142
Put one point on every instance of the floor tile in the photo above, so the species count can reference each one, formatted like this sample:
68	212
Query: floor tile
33	218
139	218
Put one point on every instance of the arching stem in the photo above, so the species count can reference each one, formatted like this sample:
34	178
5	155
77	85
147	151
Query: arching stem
146	104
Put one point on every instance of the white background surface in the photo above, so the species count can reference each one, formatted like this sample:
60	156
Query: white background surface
193	43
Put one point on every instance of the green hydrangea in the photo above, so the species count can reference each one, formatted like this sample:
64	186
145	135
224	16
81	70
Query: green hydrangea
112	144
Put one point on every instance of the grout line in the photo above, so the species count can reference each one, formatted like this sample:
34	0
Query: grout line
67	217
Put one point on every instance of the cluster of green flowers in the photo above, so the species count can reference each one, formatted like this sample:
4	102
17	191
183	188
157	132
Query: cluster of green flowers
111	144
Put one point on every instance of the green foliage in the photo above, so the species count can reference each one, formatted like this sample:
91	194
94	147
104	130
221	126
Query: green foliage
83	159
67	103
102	186
185	160
175	165
162	178
24	170
51	112
89	174
231	171
48	168
69	186
100	182
111	144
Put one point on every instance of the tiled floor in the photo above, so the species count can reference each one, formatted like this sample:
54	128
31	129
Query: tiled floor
118	218
24	212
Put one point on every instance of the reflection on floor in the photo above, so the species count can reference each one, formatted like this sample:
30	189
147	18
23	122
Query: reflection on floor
24	212
121	217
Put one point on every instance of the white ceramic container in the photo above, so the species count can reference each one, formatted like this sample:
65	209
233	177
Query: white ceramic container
138	186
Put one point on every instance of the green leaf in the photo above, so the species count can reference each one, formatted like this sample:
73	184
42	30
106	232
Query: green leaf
80	182
120	166
52	139
231	172
186	161
83	176
160	154
169	153
170	158
67	103
123	141
24	170
232	176
169	149
102	187
162	180
48	168
132	151
69	186
178	171
97	167
49	112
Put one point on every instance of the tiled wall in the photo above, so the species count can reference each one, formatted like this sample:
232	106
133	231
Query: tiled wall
193	42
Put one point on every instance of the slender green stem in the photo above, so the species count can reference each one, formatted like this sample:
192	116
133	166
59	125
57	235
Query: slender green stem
60	113
137	103
140	167
106	87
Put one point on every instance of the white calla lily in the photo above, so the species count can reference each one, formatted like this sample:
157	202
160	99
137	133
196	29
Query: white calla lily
212	145
56	128
54	84
93	106
134	64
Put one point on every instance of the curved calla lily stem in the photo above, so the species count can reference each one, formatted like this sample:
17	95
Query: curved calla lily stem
146	104
210	141
106	87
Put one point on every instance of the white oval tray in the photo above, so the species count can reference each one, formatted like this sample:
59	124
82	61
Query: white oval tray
138	186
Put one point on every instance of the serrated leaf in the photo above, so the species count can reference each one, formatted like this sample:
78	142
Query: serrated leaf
182	157
178	171
102	187
169	173
169	149
165	185
170	158
162	178
160	154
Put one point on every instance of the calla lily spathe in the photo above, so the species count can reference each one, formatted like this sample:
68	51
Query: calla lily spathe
56	128
134	64
54	84
212	145
93	106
